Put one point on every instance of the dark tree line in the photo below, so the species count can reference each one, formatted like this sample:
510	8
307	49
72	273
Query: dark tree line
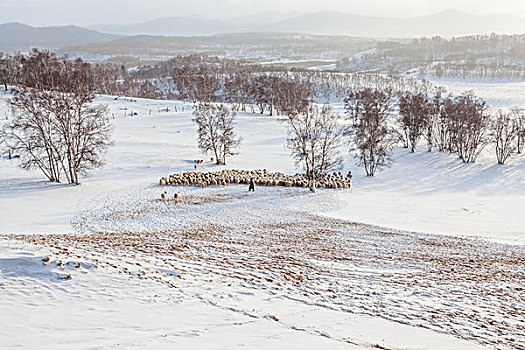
202	79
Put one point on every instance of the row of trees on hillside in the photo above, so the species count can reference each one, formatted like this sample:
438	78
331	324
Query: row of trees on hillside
376	122
460	125
202	79
478	56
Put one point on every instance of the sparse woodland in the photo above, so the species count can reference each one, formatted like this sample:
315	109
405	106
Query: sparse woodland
56	128
478	56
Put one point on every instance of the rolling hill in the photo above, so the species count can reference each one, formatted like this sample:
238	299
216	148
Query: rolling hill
13	35
446	23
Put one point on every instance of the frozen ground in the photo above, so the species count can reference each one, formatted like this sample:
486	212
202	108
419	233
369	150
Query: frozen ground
226	269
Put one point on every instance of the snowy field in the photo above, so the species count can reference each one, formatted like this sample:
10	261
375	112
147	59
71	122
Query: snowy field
279	268
499	94
437	193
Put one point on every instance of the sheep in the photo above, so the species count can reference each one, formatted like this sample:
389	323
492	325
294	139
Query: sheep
260	177
163	196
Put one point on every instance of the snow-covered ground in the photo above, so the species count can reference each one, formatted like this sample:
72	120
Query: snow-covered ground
200	300
433	193
499	94
437	193
147	147
86	306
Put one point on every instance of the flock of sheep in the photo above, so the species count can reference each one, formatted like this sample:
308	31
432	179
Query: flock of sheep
260	178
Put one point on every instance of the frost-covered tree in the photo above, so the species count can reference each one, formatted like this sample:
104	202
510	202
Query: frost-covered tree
216	131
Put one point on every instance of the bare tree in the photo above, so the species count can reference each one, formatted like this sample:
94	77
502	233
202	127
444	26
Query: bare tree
435	105
504	134
315	137
4	69
216	131
415	114
229	142
31	134
519	121
56	128
442	108
292	97
372	137
470	123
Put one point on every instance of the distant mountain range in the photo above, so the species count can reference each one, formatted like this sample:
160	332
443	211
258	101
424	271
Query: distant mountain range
194	25
19	35
447	23
173	26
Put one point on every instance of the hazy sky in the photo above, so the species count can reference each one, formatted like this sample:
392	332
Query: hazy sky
84	12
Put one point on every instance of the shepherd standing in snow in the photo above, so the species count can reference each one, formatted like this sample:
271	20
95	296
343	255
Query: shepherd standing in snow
252	185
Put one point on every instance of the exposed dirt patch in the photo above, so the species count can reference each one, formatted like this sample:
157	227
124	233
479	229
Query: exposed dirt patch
468	288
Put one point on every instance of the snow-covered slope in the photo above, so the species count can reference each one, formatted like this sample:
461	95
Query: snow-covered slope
422	192
261	270
93	307
437	193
